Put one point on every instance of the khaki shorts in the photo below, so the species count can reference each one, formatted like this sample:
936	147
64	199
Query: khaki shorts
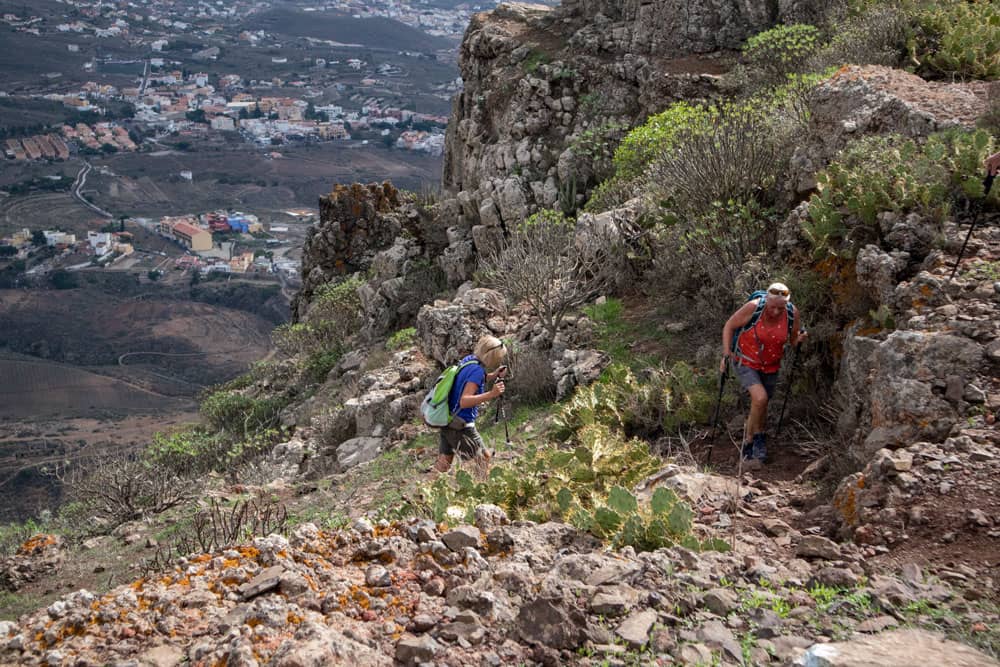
462	440
749	377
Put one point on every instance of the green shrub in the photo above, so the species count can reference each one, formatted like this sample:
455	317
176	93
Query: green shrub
738	155
868	33
195	451
658	135
958	38
319	364
782	50
333	319
597	146
241	416
534	60
893	173
402	339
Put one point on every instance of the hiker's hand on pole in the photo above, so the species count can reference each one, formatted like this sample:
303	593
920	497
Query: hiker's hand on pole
992	164
803	334
498	388
724	364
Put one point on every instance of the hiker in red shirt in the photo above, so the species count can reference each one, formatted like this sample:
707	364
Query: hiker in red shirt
756	355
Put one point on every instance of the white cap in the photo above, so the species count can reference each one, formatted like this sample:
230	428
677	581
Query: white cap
779	287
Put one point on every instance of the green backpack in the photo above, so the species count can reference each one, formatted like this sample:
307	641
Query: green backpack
435	407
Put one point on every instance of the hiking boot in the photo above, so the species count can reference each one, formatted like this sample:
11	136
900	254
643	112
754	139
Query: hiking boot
746	451
759	450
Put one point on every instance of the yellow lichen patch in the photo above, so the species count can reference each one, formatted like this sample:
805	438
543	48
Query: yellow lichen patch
294	618
203	558
35	544
253	622
230	562
167	580
137	584
384	531
248	551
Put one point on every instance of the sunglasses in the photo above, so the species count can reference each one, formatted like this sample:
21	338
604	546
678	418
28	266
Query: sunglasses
779	292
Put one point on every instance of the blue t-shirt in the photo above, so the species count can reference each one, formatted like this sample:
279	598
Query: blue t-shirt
472	373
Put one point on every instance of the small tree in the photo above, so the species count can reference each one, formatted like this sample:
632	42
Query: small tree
543	263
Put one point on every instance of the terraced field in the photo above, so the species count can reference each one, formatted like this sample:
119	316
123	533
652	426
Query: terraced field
38	389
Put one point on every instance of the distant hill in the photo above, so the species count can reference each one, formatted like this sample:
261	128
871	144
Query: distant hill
376	33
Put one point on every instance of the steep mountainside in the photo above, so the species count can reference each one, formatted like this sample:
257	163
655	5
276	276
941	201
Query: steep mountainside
614	527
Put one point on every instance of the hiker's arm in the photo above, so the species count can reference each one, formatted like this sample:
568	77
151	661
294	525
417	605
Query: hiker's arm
738	319
471	399
798	333
993	164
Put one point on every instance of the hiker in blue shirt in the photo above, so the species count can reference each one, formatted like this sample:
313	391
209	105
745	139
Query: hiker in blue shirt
467	394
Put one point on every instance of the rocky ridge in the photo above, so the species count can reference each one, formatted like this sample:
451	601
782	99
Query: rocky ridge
500	593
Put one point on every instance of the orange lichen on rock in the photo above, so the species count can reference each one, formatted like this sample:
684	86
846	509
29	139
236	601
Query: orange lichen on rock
36	543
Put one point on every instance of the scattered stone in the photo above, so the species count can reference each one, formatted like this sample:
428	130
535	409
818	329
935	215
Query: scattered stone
551	622
265	581
877	624
377	576
776	527
461	537
610	603
716	635
634	630
817	546
978	518
411	650
422	623
490	517
694	654
911	573
162	656
835	576
721	601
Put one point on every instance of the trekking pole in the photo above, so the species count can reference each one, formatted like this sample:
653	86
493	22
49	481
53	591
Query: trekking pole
718	407
987	184
506	422
788	390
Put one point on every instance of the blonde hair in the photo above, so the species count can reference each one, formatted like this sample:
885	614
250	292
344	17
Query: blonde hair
491	351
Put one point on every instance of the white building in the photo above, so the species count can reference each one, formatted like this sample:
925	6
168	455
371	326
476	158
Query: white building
55	238
100	242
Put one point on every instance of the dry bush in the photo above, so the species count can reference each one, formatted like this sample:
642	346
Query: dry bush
531	379
545	264
219	527
122	489
876	36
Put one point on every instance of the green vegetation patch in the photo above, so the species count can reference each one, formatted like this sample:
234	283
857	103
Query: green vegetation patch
893	174
957	39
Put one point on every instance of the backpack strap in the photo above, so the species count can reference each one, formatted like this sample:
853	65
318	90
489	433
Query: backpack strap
470	362
735	345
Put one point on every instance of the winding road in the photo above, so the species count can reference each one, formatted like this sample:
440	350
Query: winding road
81	180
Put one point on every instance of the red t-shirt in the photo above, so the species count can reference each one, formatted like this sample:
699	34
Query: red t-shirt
762	345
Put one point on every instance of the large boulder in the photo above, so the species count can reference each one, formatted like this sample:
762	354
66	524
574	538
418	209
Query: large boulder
447	331
872	99
894	387
898	647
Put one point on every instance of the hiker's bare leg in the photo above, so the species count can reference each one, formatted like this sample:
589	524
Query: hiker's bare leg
443	462
758	409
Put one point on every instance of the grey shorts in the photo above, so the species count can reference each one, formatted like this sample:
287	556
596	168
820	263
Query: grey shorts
748	377
466	442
